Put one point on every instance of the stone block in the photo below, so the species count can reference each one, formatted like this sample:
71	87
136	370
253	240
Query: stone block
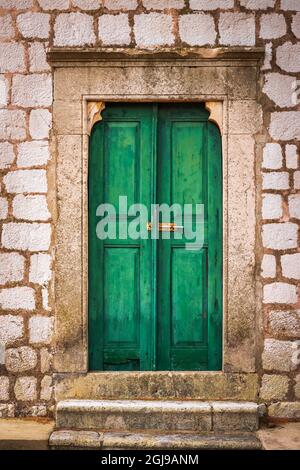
237	29
74	29
290	265
120	4
297	386
12	57
297	180
87	4
272	26
26	236
284	324
272	157
11	267
288	57
11	329
279	292
46	360
294	205
274	387
40	122
276	180
268	266
211	4
46	388
34	25
278	88
54	4
33	208
257	4
163	4
288	5
296	25
40	268
7	411
285	410
40	329
26	181
12	124
33	153
291	156
6	27
16	4
26	388
272	206
153	29
197	29
3	208
34	90
285	125
235	416
114	29
37	58
14	298
20	359
7	155
4	388
4	90
279	355
280	236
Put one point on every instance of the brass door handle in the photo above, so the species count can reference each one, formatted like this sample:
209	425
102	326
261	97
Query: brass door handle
165	227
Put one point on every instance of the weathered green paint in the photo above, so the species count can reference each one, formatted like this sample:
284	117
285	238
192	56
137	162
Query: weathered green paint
153	305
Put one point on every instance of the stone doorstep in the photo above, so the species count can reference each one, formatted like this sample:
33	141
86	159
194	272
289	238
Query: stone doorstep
159	416
92	440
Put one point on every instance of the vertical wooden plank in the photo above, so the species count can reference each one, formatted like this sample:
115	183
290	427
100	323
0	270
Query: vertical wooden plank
215	251
164	252
95	250
153	242
120	164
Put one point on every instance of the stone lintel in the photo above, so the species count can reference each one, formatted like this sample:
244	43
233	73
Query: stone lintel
59	57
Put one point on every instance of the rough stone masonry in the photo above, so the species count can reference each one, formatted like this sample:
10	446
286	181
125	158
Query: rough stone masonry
27	29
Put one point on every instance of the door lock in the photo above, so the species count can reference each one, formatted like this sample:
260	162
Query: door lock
165	227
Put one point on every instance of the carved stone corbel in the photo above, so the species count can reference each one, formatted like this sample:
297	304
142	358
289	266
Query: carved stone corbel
216	113
94	110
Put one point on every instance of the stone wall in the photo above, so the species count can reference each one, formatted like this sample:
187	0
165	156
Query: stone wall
27	212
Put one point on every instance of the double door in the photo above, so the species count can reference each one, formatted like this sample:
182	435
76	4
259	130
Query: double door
155	239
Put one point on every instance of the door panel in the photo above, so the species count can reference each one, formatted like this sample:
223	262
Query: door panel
122	162
153	304
182	273
188	269
120	276
187	172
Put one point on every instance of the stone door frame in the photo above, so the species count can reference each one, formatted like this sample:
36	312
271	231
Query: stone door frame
227	80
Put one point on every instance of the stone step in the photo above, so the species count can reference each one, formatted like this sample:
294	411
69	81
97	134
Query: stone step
158	415
70	439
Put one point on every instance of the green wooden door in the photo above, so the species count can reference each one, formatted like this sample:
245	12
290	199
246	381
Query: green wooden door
153	304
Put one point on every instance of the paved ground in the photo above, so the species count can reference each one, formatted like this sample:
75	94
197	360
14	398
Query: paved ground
33	433
283	437
27	433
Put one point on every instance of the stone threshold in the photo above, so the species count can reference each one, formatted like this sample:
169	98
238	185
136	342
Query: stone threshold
157	385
